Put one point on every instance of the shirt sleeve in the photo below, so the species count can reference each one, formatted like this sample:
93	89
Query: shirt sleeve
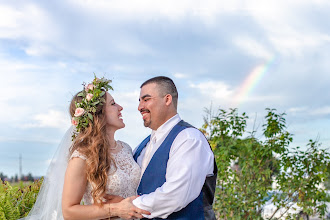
190	161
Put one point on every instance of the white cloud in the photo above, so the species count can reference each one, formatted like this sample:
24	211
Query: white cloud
295	110
284	25
147	10
252	47
322	111
214	89
27	21
180	75
51	119
37	50
292	42
200	96
133	46
44	35
30	140
12	71
8	18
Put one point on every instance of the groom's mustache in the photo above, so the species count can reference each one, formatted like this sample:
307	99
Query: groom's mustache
144	110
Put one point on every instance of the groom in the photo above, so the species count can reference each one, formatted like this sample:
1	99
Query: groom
177	164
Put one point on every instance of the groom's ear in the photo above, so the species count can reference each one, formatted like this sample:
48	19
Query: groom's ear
168	99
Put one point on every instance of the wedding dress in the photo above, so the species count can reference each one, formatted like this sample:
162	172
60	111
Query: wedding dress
122	181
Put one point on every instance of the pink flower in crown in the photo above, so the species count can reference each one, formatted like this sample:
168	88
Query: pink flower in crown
79	112
74	122
89	96
89	86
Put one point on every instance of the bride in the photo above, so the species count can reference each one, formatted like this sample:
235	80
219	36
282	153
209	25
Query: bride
90	163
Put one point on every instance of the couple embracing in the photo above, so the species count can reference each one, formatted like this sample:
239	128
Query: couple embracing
170	175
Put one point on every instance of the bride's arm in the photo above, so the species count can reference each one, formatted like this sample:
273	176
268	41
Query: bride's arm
73	190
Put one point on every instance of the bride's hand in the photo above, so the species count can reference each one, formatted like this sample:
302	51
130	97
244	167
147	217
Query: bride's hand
126	210
112	198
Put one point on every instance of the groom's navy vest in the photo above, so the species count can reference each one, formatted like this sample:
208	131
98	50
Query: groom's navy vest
154	177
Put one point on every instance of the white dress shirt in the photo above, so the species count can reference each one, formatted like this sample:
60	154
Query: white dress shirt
190	161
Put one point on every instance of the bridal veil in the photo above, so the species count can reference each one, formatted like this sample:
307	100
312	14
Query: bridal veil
49	201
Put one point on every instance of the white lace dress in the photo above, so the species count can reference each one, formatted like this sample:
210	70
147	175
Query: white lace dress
122	181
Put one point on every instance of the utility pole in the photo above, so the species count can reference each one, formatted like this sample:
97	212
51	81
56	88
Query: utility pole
20	168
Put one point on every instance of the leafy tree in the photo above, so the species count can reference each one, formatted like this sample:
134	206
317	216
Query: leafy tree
249	167
30	177
300	181
327	182
2	176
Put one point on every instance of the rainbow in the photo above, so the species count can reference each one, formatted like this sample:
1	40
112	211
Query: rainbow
250	82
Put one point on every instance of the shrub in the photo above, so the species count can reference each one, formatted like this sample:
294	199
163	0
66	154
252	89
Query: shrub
250	166
16	202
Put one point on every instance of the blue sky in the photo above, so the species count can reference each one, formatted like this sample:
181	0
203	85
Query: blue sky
209	48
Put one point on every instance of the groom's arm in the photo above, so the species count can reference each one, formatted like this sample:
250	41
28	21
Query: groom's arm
190	161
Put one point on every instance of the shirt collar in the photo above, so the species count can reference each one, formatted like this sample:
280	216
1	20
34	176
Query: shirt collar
165	128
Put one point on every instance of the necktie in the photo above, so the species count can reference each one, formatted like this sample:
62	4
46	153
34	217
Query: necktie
147	155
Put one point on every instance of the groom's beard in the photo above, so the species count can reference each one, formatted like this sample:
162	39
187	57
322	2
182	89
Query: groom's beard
146	122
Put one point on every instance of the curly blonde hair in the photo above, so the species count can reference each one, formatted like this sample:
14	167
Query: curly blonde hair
92	142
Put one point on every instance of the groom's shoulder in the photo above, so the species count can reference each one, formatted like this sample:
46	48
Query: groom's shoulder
191	133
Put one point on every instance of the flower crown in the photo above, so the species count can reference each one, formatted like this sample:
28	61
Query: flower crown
92	96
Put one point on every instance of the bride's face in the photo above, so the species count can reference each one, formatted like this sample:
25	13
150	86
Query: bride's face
113	113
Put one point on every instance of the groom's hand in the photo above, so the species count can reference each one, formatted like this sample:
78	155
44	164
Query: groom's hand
127	210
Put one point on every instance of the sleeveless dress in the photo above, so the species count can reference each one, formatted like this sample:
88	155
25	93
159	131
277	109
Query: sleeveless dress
122	181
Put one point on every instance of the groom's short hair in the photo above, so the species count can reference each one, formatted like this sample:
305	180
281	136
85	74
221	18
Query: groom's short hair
166	86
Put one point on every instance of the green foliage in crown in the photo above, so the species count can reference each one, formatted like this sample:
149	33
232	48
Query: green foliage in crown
93	95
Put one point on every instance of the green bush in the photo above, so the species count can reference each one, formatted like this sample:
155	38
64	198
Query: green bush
17	201
250	165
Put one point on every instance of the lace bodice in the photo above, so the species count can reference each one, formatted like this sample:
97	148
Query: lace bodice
122	181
